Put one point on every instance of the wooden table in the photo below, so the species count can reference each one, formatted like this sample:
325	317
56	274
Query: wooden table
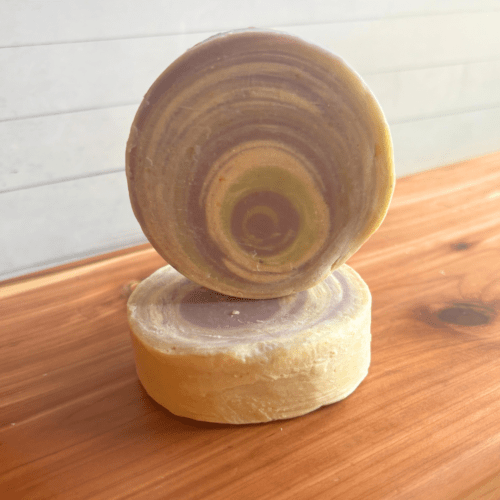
425	424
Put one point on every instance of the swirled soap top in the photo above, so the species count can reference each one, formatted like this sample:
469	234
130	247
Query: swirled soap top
257	163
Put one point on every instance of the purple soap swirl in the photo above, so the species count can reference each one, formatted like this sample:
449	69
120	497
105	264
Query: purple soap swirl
257	163
175	313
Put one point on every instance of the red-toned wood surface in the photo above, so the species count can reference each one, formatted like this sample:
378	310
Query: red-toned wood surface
425	423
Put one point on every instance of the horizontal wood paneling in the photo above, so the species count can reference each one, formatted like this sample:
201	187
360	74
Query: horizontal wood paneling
66	108
50	79
50	148
410	42
430	92
33	22
428	143
60	222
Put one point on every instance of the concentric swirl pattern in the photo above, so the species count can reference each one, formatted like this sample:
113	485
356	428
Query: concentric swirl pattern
257	163
177	316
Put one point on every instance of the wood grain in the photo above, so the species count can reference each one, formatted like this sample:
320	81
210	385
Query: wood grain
75	422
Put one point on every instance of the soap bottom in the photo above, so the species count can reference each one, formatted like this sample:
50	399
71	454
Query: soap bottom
277	378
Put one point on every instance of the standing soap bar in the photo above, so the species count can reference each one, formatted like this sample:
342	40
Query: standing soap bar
257	163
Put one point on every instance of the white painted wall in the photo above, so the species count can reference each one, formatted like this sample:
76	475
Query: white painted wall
73	73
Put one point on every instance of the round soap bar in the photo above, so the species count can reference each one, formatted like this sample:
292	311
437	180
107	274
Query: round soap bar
216	358
257	163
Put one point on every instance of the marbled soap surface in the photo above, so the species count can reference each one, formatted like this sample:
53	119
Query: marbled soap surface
174	314
257	163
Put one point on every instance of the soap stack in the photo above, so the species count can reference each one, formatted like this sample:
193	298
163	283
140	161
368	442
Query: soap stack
257	164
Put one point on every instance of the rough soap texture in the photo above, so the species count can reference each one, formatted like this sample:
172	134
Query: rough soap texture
216	358
257	163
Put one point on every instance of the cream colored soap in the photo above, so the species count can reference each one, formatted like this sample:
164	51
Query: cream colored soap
216	358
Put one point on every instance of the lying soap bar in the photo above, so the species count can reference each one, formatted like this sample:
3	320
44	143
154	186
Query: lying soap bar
257	163
216	358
